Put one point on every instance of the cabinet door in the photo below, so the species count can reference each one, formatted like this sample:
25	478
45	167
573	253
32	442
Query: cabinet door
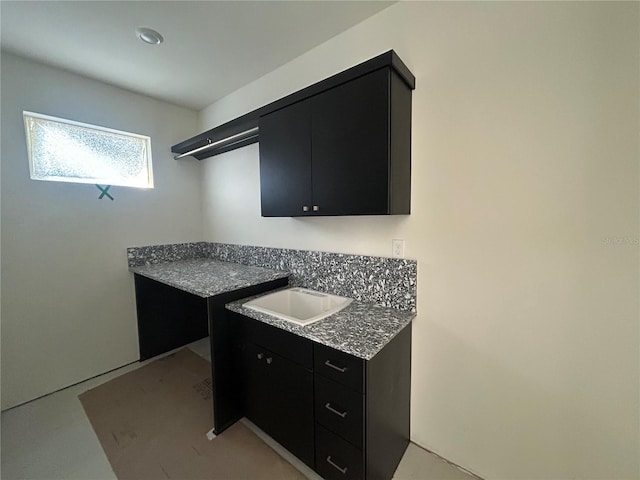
278	397
255	386
350	147
285	161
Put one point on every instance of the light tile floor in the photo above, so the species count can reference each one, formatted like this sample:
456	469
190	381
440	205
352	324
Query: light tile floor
51	438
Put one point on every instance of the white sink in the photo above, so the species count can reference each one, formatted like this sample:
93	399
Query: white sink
299	305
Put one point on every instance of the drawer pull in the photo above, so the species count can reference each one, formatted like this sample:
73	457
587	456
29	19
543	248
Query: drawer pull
342	470
269	360
260	355
331	409
335	367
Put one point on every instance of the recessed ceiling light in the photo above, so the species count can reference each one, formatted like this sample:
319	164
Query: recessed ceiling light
148	35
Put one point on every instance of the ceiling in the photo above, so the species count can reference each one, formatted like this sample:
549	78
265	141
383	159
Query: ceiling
211	48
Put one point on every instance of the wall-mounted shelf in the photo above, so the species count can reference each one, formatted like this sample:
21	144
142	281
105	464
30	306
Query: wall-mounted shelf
244	131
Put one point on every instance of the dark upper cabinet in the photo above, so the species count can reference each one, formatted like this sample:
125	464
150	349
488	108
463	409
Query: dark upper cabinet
344	151
350	155
285	169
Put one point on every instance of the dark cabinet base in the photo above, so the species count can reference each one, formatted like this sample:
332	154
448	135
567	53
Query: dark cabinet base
278	398
362	410
168	318
346	417
276	384
343	416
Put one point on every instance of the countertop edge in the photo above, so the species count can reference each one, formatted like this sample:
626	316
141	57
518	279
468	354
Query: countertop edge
169	283
150	272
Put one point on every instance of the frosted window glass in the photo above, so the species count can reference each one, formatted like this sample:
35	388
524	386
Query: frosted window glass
66	151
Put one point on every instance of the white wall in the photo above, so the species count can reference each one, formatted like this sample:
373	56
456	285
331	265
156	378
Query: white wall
525	224
68	310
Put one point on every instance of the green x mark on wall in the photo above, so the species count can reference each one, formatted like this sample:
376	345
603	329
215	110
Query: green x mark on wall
105	191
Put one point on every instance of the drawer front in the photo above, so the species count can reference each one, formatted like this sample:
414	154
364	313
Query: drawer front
337	459
285	344
339	366
340	409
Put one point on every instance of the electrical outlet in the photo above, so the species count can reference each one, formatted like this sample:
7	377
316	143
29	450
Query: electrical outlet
397	248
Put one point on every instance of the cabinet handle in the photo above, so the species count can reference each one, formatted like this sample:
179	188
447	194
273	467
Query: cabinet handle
331	409
335	367
305	208
269	360
316	208
342	470
260	356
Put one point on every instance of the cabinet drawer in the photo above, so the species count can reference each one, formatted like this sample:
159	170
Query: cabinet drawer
337	459
340	410
339	366
285	344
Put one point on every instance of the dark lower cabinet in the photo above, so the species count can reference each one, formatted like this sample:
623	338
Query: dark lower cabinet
167	317
278	397
225	341
362	410
345	417
277	384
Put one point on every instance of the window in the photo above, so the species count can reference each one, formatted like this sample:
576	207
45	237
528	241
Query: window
66	151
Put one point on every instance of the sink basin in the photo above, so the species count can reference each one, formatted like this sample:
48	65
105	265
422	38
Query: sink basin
299	305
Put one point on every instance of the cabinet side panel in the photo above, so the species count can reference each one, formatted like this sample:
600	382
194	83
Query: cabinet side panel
388	407
225	355
400	147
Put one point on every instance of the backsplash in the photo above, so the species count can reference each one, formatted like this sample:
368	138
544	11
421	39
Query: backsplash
390	282
137	256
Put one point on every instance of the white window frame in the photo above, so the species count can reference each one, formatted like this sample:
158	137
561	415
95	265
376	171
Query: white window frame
96	128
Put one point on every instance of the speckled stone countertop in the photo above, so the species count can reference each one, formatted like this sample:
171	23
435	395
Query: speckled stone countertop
206	277
360	329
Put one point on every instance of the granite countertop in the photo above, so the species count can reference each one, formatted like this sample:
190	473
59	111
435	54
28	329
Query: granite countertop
360	329
206	277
